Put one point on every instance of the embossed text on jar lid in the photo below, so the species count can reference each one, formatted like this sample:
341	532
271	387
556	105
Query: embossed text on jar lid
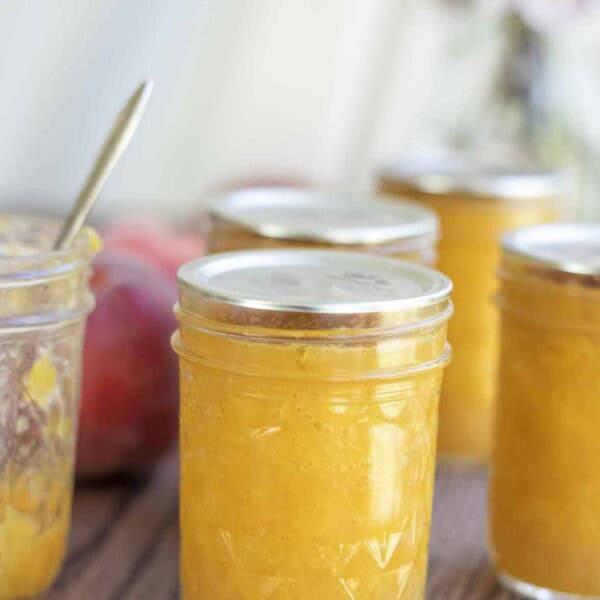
297	214
451	175
568	247
315	281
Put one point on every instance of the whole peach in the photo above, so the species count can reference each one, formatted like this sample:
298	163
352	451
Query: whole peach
129	399
155	241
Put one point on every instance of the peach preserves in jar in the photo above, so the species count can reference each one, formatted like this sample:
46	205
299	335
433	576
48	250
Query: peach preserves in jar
545	486
475	204
309	394
44	300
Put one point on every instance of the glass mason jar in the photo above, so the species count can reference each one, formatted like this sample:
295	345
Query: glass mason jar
309	393
44	300
545	485
475	206
272	217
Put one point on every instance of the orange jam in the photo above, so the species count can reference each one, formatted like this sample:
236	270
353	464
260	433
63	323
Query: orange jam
34	527
545	486
474	207
36	483
254	218
309	393
44	299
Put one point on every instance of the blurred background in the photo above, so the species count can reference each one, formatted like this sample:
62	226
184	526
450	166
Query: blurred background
315	92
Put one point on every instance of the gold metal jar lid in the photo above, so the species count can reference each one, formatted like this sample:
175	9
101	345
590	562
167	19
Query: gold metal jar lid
311	289
448	175
566	247
321	217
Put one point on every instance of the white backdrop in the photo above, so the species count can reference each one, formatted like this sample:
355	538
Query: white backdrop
306	89
244	88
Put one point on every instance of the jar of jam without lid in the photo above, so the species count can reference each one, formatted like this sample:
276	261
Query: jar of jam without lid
475	204
274	217
309	396
545	486
44	301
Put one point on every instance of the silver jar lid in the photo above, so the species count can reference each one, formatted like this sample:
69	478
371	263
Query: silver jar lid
314	281
448	175
567	247
321	217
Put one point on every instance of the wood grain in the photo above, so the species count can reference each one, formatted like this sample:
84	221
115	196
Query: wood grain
124	543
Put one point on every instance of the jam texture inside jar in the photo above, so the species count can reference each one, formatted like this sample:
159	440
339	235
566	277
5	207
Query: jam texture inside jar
476	204
44	299
309	387
254	218
545	486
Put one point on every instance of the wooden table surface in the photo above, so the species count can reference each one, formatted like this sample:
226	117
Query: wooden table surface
124	543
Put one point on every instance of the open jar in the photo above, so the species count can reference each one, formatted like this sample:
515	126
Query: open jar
44	300
545	485
476	205
309	394
273	217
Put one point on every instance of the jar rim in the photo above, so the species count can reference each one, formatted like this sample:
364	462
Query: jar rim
39	261
437	362
41	287
337	328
